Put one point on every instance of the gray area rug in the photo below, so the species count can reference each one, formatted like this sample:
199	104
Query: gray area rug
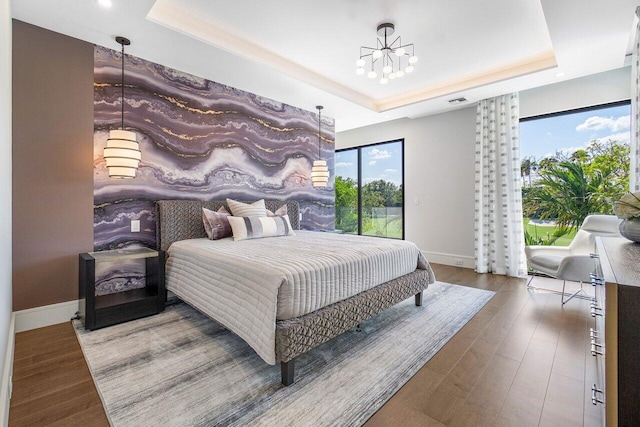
180	368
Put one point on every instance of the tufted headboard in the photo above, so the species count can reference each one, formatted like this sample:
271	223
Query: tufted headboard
182	219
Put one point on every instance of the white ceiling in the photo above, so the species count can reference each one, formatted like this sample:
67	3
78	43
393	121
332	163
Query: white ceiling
303	52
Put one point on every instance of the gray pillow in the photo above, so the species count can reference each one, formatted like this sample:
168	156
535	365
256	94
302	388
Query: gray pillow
216	224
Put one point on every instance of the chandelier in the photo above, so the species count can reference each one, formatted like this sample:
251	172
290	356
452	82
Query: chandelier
387	57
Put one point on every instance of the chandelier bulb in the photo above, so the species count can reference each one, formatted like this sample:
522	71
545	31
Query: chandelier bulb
372	74
360	71
377	54
413	59
384	81
387	69
400	51
392	76
399	73
409	69
360	62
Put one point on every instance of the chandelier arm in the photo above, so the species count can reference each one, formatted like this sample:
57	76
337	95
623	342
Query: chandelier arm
394	42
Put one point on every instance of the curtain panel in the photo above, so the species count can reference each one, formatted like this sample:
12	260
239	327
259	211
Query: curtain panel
634	167
499	238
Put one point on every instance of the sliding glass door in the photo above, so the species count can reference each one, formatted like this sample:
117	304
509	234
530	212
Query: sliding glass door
369	190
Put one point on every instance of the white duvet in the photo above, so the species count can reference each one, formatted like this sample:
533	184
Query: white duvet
247	285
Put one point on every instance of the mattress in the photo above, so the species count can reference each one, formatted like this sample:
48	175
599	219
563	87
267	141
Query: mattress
247	285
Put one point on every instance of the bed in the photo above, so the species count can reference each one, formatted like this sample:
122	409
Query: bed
285	295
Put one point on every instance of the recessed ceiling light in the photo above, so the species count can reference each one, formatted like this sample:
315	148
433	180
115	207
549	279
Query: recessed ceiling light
105	3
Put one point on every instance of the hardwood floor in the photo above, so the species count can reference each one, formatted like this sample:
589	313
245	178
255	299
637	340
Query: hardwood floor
522	360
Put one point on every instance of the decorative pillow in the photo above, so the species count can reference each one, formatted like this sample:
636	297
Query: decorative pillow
216	224
246	209
254	227
282	210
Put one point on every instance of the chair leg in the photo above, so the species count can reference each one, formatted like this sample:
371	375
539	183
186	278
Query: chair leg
533	274
580	293
575	294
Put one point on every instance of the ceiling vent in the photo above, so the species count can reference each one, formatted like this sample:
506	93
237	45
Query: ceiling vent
458	100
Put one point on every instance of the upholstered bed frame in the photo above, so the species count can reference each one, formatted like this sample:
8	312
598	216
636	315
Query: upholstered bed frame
182	219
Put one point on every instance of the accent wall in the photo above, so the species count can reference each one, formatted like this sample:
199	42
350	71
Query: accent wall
200	140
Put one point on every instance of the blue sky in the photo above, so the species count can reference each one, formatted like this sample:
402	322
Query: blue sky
383	161
543	137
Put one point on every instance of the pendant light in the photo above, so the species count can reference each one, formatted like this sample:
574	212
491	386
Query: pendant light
319	172
122	153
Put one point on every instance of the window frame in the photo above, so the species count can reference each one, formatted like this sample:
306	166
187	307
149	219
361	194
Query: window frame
359	149
576	110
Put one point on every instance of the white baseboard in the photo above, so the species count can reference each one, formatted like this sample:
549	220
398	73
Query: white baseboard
47	315
7	374
450	259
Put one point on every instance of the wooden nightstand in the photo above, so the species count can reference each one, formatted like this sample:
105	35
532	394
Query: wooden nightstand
106	310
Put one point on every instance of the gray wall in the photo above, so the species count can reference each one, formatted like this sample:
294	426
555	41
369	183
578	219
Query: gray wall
439	155
52	164
5	199
440	160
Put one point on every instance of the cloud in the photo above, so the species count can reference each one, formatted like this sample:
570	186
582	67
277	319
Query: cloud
373	162
343	164
599	123
379	154
390	170
620	138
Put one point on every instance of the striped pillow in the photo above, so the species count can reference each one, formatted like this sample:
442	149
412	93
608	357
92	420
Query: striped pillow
254	227
246	209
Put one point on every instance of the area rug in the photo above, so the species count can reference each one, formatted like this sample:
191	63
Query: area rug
180	368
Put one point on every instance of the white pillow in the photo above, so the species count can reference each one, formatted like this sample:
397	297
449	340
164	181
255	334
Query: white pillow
255	227
246	209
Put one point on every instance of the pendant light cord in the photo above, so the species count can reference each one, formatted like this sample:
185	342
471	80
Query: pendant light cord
122	88
319	107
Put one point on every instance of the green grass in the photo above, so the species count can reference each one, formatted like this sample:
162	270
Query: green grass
547	230
380	227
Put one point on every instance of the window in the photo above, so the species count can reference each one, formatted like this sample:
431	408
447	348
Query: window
572	164
370	190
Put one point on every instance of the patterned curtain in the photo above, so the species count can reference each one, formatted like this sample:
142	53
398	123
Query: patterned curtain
634	181
499	238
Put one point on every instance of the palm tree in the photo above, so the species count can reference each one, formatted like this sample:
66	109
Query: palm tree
567	193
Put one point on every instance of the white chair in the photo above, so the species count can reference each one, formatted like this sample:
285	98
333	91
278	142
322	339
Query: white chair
572	262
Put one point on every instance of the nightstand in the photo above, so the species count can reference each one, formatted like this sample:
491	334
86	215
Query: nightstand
98	311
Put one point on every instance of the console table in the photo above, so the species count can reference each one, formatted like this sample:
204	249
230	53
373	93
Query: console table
615	338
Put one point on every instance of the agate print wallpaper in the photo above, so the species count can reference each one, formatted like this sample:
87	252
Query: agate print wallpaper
200	140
